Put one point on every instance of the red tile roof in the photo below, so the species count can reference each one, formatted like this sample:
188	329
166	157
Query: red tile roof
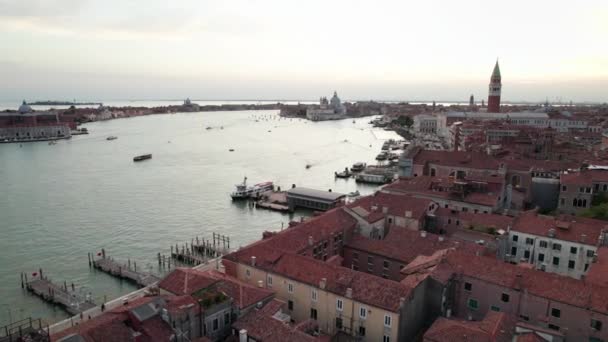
598	273
486	220
567	228
402	244
185	281
366	288
495	327
396	205
586	177
155	329
244	295
546	285
530	337
457	159
262	326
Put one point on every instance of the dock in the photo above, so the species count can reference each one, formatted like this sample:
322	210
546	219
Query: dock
274	200
66	297
198	252
122	270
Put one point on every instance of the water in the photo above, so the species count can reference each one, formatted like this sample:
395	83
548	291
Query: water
59	202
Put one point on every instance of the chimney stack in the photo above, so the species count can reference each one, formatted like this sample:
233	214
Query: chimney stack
349	293
243	335
408	213
423	233
260	283
252	260
310	240
322	283
441	238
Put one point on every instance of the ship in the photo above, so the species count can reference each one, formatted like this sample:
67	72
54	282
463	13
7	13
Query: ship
243	191
142	157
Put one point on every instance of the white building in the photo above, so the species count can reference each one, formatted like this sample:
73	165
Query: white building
328	110
565	246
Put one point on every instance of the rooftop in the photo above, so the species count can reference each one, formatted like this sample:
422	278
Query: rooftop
567	228
313	193
495	327
584	177
372	208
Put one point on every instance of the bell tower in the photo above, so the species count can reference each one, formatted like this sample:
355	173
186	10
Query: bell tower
494	90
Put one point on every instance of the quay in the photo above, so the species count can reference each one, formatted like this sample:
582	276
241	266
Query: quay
27	329
273	200
198	252
122	270
70	301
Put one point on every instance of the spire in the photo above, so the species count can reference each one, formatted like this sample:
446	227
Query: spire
496	72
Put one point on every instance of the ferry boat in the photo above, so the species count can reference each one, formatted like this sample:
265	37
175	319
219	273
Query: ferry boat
142	157
243	191
358	167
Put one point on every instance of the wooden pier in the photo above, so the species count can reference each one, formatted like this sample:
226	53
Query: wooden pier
199	251
273	200
122	270
64	296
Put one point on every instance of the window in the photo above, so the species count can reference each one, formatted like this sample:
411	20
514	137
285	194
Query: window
524	318
355	256
363	312
573	250
361	331
313	313
473	304
495	308
339	305
541	257
505	297
527	254
247	273
313	295
386	338
590	253
513	250
596	325
586	267
543	244
290	287
290	305
515	238
468	287
269	279
557	313
553	327
339	322
556	261
216	324
529	241
227	318
386	264
557	247
562	201
571	264
387	320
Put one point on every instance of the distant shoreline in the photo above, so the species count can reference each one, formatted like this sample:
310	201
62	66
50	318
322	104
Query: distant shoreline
63	103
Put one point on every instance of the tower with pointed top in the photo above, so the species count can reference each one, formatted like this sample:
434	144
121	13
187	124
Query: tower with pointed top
494	91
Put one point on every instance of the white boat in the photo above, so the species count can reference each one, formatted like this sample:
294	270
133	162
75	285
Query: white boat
243	191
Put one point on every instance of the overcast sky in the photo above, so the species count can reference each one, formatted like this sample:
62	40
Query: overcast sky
284	49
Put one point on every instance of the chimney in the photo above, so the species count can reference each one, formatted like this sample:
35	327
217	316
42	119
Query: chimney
441	238
349	293
448	313
384	210
401	302
423	233
583	238
260	283
252	260
310	240
408	213
243	335
322	283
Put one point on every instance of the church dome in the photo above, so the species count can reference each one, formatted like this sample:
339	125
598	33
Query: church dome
25	108
335	100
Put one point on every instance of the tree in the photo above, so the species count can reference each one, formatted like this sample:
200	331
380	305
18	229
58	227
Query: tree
405	120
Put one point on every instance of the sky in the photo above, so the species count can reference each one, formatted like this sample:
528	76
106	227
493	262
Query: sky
287	49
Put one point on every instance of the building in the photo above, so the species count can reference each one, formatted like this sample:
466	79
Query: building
327	110
26	125
579	188
312	199
565	245
494	90
495	327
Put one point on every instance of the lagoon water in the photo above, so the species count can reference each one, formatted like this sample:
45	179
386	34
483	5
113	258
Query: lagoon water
59	202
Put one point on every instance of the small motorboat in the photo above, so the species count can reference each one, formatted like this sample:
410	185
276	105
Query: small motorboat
231	150
142	157
343	174
52	142
208	128
111	137
308	166
354	194
358	167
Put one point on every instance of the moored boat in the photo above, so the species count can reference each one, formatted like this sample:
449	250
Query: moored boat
358	167
142	157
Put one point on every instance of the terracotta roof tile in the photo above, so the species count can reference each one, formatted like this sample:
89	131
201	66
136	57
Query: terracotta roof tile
584	177
495	327
567	228
185	281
